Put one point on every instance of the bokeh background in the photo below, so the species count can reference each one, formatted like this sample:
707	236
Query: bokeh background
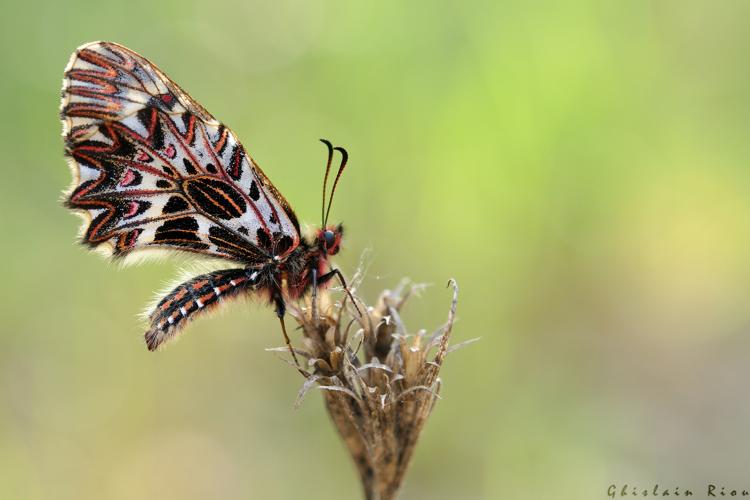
581	168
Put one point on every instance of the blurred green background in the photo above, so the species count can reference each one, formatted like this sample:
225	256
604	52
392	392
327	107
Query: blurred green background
581	168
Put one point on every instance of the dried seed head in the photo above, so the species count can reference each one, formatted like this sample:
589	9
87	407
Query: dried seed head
379	382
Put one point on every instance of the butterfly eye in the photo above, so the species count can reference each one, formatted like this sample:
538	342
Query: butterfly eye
329	238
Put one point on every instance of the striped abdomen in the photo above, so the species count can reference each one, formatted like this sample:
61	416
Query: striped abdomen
197	295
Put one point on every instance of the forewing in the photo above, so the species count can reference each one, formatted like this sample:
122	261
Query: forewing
153	169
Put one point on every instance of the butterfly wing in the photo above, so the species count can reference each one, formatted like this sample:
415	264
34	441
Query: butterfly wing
153	169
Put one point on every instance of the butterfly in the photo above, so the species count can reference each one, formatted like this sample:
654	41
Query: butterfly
153	170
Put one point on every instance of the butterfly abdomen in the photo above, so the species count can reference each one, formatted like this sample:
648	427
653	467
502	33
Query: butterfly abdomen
195	296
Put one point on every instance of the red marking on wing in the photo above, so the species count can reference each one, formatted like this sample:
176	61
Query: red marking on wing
190	130
183	145
237	160
132	209
219	146
127	240
153	123
143	142
127	178
143	156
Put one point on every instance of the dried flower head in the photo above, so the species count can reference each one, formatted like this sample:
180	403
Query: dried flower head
379	382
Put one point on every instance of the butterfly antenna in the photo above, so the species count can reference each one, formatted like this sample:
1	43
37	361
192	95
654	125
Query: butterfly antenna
325	180
344	159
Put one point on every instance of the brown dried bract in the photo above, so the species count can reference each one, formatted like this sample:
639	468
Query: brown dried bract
379	383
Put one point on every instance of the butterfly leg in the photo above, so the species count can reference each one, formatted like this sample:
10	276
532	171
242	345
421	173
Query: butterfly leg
322	279
314	298
278	301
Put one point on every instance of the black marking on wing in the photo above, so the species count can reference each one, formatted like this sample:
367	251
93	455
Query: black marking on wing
189	167
235	162
215	197
175	204
149	118
179	231
254	192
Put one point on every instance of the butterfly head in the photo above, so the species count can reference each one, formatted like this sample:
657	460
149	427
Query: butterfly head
329	236
329	239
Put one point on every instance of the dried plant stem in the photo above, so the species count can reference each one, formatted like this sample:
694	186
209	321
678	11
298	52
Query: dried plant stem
379	383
